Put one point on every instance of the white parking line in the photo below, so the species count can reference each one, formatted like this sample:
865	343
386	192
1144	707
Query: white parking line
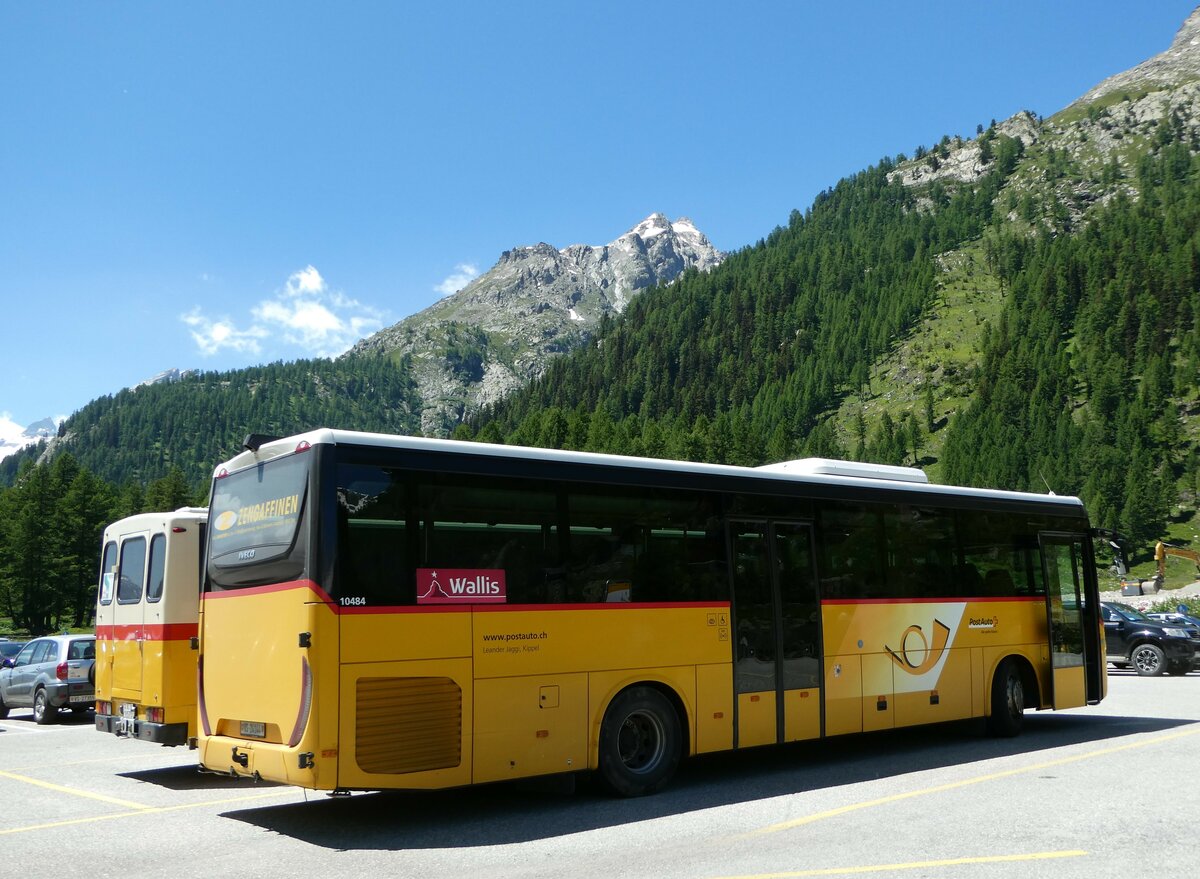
41	730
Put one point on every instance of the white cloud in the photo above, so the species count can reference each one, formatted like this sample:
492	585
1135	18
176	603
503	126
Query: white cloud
307	280
304	318
463	274
214	335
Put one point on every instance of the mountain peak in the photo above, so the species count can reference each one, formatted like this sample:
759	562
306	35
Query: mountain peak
655	224
1180	63
536	303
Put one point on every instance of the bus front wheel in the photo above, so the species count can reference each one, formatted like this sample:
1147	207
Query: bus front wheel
1008	701
640	742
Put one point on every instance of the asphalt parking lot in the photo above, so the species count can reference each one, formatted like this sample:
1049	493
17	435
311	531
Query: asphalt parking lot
1082	793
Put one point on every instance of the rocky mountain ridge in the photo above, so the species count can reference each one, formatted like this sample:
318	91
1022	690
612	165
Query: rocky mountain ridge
501	331
1083	155
1178	65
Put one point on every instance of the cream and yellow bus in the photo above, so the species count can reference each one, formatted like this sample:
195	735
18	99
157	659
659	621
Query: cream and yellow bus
392	612
147	606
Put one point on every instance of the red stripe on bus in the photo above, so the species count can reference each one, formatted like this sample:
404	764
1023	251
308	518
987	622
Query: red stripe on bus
321	594
971	600
615	605
518	608
152	632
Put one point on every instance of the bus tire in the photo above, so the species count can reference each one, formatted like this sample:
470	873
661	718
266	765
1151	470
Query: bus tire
43	711
640	742
1008	700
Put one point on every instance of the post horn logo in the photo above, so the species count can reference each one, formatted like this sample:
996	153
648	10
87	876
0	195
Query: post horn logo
916	656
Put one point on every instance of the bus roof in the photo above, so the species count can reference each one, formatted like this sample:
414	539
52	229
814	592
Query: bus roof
144	521
809	471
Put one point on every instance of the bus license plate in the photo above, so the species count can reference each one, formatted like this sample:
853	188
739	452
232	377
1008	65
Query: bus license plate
254	729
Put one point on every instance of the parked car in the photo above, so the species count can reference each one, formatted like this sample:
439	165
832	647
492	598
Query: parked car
50	673
9	649
1151	646
1182	620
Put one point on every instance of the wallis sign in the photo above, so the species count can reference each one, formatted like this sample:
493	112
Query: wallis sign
461	586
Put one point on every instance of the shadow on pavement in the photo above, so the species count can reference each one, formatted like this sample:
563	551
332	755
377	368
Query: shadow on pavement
517	812
191	778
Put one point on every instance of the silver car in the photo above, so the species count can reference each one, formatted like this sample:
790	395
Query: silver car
50	673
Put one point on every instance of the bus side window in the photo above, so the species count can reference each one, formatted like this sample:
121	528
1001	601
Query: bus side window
158	565
851	544
374	567
999	582
132	573
968	583
108	572
493	524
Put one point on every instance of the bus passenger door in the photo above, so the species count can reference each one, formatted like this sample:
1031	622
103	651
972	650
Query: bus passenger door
776	617
128	618
1074	632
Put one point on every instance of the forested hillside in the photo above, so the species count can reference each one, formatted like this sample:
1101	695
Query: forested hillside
1092	370
141	433
739	365
1083	380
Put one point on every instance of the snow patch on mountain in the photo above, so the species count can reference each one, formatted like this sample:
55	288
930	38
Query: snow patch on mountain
14	437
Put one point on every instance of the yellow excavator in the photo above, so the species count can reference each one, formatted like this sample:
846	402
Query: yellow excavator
1162	550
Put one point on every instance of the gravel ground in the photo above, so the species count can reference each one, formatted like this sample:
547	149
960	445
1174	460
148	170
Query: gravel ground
1141	602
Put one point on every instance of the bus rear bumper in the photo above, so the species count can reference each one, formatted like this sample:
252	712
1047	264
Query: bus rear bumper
261	761
159	733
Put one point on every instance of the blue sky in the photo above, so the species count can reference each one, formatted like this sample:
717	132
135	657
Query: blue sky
214	185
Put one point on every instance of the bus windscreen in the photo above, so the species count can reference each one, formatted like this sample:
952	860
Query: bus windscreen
255	521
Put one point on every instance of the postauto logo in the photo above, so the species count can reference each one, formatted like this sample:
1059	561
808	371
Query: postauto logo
226	520
917	653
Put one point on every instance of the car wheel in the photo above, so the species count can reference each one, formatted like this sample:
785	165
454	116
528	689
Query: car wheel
1008	701
43	711
1148	660
640	742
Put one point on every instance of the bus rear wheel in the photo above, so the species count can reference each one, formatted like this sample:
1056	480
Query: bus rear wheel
640	742
1008	701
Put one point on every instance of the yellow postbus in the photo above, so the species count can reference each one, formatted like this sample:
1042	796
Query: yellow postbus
147	605
393	612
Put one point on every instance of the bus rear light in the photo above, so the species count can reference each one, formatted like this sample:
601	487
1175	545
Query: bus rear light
61	671
155	715
178	529
104	708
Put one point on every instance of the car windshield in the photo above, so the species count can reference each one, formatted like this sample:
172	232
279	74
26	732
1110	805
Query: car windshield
1131	614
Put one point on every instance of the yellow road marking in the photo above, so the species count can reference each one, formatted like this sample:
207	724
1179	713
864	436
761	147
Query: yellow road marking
967	782
71	790
914	865
144	810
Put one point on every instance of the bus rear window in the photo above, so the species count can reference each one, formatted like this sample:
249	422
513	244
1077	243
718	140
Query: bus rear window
255	519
